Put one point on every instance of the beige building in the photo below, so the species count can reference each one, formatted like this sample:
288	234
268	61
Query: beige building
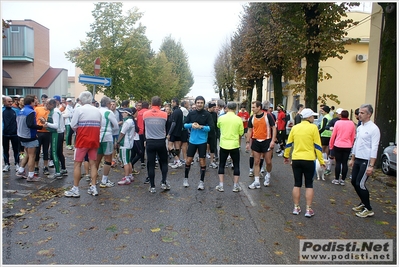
354	78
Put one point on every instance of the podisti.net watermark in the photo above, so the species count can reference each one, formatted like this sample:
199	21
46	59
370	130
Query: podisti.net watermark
346	250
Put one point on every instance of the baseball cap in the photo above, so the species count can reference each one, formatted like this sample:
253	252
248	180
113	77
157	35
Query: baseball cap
211	105
326	108
339	110
69	99
44	96
307	112
57	97
127	110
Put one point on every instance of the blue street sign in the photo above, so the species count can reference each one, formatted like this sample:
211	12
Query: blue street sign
95	80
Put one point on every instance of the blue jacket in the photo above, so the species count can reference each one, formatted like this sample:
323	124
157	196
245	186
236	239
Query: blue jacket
9	121
27	127
202	117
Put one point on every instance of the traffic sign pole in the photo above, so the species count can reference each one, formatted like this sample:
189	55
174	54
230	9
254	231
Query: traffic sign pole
96	73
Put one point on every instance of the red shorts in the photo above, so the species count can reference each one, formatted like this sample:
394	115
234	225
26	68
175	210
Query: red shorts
80	154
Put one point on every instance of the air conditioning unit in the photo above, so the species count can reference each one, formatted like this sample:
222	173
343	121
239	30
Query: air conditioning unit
361	58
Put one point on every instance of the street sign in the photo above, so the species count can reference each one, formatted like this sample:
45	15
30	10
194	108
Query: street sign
97	66
94	80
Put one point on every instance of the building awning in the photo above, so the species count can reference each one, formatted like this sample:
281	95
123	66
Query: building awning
6	75
48	78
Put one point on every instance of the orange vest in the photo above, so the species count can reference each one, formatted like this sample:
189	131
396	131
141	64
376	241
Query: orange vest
41	112
261	128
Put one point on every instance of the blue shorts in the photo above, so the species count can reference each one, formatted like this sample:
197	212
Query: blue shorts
30	144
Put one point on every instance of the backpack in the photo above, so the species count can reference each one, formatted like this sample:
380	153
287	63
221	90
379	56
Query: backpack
287	117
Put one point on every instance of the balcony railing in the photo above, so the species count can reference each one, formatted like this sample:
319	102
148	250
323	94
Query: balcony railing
18	44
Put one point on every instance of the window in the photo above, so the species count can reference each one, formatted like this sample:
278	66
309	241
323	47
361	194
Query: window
14	29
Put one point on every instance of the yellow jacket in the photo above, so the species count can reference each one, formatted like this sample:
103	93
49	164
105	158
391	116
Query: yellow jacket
305	139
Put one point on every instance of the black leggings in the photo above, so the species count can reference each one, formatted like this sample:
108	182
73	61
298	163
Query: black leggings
341	158
305	168
154	148
6	148
359	179
44	139
142	140
235	156
137	152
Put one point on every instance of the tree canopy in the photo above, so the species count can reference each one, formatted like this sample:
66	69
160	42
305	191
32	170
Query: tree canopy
273	38
126	56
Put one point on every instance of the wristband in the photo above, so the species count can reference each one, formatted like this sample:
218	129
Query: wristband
372	166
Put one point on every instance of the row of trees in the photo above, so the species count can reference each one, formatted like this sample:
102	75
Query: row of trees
273	38
126	56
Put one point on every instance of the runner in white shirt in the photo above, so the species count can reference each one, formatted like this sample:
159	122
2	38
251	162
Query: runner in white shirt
125	143
108	124
364	155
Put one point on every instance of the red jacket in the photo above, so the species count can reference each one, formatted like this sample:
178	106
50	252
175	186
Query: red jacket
281	120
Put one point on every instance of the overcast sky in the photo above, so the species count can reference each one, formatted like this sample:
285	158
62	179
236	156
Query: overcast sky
202	27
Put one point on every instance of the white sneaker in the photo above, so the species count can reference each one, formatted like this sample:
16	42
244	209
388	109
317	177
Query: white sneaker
237	188
219	188
201	185
74	192
254	185
281	154
208	156
50	163
176	165
92	190
267	179
213	165
6	168
185	182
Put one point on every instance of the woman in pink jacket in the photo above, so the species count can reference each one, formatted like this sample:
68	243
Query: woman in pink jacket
342	139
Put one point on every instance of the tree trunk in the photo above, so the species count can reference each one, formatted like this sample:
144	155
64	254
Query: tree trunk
312	72
385	110
312	55
231	93
250	89
259	89
277	86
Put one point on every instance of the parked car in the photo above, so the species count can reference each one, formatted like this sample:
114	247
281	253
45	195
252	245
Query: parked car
291	122
388	160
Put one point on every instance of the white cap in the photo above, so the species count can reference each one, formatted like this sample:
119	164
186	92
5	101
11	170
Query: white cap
307	112
69	99
339	110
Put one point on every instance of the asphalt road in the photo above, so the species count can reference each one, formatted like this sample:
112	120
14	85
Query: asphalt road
129	225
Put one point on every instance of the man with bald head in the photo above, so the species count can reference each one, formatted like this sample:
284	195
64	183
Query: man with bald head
10	133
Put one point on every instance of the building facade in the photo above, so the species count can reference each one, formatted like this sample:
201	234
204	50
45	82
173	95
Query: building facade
26	62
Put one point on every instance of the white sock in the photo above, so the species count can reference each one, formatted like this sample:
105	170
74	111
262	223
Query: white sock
75	187
251	170
31	174
104	179
221	184
257	179
21	169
